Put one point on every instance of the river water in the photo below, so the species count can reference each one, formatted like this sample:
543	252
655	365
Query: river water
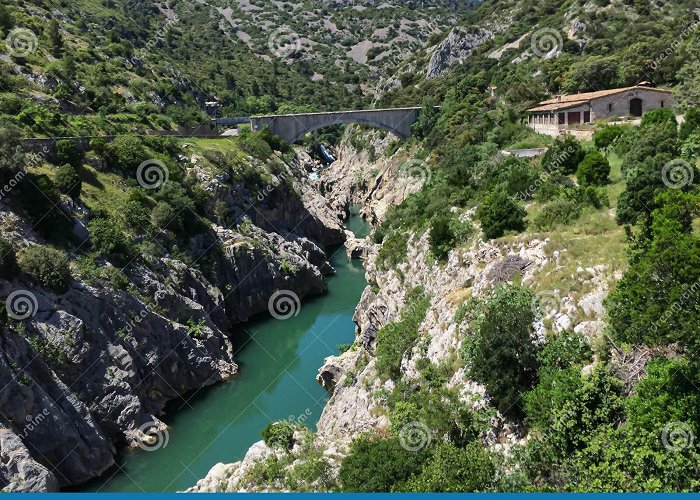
278	363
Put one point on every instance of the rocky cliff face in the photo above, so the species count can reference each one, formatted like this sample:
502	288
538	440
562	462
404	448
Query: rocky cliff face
92	368
458	45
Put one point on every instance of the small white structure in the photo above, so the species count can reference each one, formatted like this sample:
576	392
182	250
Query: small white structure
567	112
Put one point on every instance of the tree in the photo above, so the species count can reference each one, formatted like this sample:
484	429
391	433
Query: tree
500	213
501	355
451	469
68	181
656	302
441	237
563	156
108	240
47	266
691	123
126	153
594	170
8	259
605	137
658	117
279	434
55	39
11	157
379	465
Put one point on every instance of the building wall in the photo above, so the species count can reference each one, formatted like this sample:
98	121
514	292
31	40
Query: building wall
651	99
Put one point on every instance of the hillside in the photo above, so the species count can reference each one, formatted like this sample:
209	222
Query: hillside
88	67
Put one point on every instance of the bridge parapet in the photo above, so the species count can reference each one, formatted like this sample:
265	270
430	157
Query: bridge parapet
291	127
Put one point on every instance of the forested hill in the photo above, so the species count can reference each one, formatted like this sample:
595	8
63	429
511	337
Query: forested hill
158	63
527	50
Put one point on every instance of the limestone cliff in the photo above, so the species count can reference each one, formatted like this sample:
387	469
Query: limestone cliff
90	370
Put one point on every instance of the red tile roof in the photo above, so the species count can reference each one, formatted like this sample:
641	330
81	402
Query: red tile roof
571	100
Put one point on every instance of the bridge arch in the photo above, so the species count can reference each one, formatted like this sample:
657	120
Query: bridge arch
291	127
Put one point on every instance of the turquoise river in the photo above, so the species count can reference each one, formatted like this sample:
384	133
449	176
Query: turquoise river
278	363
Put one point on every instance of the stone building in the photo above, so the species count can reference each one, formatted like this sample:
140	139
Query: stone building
568	112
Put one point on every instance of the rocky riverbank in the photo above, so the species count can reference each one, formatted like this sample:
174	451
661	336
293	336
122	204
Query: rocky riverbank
90	370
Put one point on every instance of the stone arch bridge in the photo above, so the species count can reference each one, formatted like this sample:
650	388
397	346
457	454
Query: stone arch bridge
291	127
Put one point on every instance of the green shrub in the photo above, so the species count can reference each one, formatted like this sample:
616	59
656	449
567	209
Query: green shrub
656	301
558	212
607	136
690	149
563	156
499	213
108	240
47	266
279	434
393	250
68	181
442	239
126	153
446	233
450	469
500	354
68	152
391	465
12	159
658	117
394	339
691	125
594	170
8	259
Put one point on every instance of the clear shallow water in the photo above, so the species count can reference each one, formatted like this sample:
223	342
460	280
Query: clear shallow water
278	363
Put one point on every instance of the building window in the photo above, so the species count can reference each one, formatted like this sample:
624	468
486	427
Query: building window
586	117
562	118
610	106
662	104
